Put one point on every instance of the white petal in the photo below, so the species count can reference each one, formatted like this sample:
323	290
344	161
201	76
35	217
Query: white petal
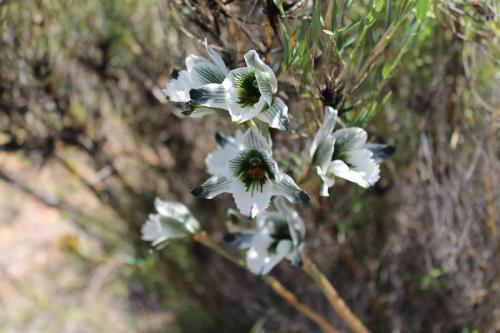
324	152
193	60
227	149
325	129
328	181
350	138
214	186
254	140
362	161
212	95
158	229
204	73
251	203
174	220
342	170
286	187
177	90
257	253
266	79
259	260
216	58
241	114
275	115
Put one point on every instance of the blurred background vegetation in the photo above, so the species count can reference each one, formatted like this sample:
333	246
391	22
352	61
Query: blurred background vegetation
87	141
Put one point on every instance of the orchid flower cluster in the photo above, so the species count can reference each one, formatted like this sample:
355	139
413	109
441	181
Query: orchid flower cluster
243	164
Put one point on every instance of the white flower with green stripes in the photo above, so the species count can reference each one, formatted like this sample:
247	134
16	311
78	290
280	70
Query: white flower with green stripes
344	153
199	72
247	92
244	166
277	235
172	221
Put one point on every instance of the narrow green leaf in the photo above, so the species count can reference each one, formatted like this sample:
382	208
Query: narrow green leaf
379	5
279	5
387	15
285	37
422	7
335	15
316	21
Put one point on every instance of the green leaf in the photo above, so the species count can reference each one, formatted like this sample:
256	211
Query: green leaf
335	15
386	70
422	7
279	5
285	37
387	15
378	5
316	21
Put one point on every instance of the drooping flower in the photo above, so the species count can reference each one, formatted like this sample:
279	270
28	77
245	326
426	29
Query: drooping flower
344	153
172	221
199	72
277	235
247	92
244	166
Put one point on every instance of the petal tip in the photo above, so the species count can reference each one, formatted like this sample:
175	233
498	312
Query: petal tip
197	191
175	73
303	197
390	150
195	94
187	109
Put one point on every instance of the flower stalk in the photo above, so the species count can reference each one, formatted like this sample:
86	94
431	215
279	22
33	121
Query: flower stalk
337	303
271	282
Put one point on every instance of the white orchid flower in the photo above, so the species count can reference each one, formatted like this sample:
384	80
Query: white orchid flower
172	221
199	72
244	167
277	235
344	153
247	92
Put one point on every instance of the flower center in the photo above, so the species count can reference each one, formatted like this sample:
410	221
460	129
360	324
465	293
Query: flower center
280	233
339	153
247	89
253	168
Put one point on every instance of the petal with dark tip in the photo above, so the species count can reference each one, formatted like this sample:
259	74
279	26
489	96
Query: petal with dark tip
211	95
214	186
380	152
286	187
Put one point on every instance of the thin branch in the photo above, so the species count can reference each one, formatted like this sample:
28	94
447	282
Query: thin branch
333	297
270	281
